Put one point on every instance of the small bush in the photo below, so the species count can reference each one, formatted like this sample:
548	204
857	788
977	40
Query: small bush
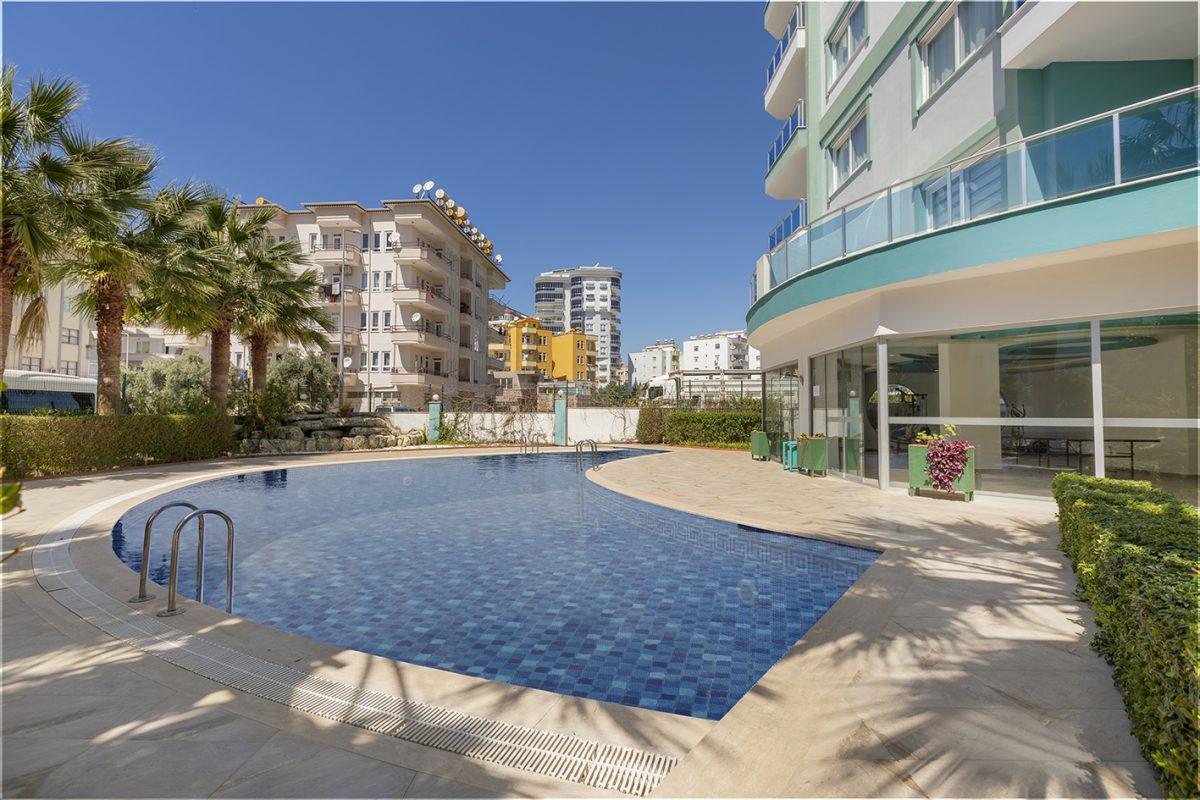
169	386
1137	555
305	377
651	426
35	446
709	427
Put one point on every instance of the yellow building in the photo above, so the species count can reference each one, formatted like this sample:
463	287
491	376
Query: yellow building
529	347
573	356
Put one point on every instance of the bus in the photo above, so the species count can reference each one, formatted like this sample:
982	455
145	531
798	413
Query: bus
26	392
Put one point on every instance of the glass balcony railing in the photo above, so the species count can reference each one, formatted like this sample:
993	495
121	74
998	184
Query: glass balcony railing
796	219
794	123
795	27
1146	140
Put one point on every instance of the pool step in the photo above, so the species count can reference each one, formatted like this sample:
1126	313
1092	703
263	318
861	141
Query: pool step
601	766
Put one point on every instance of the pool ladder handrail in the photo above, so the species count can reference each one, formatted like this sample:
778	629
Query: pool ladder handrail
531	443
591	444
173	580
144	575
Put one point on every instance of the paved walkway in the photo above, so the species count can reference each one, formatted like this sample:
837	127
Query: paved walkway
958	666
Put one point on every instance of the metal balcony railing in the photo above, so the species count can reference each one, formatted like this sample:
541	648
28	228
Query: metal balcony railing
797	121
1138	142
795	219
331	247
795	27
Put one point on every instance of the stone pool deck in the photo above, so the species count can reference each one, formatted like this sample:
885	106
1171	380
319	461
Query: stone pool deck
958	666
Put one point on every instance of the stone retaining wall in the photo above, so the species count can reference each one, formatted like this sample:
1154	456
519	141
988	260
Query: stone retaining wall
307	433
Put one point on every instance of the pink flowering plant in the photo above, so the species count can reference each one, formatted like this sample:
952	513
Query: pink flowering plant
946	457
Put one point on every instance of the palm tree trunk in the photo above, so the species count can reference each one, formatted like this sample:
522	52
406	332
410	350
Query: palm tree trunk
110	323
218	380
258	363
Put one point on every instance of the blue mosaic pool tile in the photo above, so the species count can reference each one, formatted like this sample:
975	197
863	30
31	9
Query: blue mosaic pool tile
515	569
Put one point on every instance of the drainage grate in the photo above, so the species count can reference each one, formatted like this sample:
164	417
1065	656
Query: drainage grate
554	755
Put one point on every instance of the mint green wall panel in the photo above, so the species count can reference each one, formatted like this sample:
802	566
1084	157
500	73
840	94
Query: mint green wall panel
1077	89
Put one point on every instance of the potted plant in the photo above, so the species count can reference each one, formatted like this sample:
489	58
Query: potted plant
812	454
941	462
345	411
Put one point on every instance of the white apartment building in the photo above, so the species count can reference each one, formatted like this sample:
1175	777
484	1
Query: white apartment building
653	361
587	299
63	346
407	286
721	350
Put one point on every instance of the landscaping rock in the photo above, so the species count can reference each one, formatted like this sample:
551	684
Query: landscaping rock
354	442
310	424
289	432
327	434
326	445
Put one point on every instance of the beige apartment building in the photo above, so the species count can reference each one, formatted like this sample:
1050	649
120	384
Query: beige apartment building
407	285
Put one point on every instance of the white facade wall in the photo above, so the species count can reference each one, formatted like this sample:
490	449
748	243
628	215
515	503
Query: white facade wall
587	298
653	361
722	350
603	425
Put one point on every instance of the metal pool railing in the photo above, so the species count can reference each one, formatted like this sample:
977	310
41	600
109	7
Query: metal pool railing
1145	140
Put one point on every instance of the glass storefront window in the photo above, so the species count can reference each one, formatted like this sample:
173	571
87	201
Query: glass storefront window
781	406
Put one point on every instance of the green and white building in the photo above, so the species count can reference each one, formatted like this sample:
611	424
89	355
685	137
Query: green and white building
994	225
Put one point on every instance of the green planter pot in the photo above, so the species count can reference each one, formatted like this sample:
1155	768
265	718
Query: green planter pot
760	449
814	456
918	480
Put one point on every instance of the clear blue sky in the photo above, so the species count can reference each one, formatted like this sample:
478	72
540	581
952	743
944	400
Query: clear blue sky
629	134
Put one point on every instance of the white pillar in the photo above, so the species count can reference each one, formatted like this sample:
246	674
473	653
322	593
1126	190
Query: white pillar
1097	402
882	384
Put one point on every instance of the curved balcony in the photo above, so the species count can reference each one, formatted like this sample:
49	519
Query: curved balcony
1000	204
421	297
787	69
420	335
787	162
327	254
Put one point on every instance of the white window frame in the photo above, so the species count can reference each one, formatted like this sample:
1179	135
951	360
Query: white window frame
852	48
844	140
951	16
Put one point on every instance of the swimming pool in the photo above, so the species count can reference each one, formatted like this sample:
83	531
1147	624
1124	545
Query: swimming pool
514	568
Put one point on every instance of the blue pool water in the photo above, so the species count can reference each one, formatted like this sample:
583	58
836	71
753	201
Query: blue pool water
512	568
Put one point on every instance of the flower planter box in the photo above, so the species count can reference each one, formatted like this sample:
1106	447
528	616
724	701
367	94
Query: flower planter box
813	456
918	480
760	449
790	456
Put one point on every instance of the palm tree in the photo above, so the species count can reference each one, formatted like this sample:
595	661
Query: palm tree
227	249
45	166
280	307
138	242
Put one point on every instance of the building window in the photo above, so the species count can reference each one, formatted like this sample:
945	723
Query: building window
68	367
387	279
387	319
312	241
375	280
366	236
362	281
844	45
376	242
30	363
389	240
850	152
953	40
362	320
70	335
387	360
374	320
362	360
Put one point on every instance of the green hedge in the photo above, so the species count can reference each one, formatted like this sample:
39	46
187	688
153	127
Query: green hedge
32	446
651	426
1136	550
709	427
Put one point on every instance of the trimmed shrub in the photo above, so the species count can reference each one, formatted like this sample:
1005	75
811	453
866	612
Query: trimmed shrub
32	446
709	427
1136	550
169	386
651	426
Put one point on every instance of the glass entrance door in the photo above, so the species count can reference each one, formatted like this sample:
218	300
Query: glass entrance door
850	396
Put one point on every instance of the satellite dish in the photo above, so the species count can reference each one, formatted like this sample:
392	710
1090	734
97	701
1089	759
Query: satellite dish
416	317
416	188
440	194
347	362
499	259
428	185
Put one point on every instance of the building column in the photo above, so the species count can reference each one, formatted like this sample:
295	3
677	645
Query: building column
882	385
435	418
1097	403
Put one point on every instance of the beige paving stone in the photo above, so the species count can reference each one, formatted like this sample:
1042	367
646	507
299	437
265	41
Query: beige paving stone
959	665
